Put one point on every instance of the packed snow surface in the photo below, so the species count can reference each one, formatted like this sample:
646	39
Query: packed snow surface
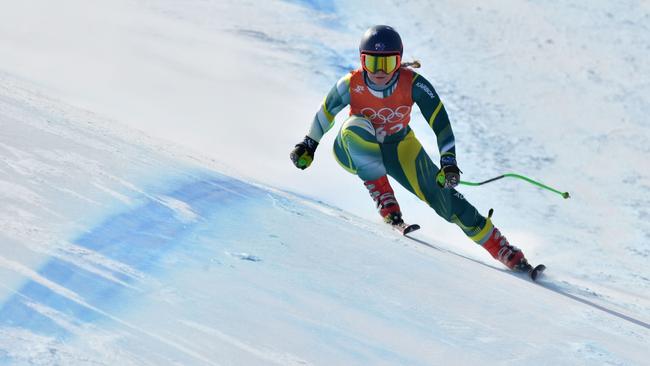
149	213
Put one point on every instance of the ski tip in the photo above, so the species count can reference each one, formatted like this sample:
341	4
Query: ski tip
411	228
404	228
538	270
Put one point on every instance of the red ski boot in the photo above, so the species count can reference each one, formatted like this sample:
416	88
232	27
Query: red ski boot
384	197
498	246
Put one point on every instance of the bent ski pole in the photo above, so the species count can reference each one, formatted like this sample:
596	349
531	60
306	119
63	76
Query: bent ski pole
564	195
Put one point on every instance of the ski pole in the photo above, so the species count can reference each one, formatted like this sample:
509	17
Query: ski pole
564	195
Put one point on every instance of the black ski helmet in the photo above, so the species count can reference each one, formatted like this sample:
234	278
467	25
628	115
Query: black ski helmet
381	39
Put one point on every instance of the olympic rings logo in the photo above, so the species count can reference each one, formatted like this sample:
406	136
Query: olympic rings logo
387	115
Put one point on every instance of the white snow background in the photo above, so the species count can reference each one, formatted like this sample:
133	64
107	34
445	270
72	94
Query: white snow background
149	213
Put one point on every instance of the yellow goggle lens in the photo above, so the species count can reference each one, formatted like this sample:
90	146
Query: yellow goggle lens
374	63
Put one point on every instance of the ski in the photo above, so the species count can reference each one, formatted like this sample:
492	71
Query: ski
535	272
405	228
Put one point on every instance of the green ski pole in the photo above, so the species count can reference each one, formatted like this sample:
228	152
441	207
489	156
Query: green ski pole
564	195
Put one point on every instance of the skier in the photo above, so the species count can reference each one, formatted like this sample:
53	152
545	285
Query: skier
376	141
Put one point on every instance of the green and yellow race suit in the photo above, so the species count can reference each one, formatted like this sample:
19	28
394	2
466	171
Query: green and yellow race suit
376	140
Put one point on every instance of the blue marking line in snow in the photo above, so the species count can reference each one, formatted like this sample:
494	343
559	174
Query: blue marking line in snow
328	12
137	238
325	6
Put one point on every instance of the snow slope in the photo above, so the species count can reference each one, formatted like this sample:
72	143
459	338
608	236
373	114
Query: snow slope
555	90
116	250
558	91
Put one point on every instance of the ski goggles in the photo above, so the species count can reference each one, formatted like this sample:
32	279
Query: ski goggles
385	63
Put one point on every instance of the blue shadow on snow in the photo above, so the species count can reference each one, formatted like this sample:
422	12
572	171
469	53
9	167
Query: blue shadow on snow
137	238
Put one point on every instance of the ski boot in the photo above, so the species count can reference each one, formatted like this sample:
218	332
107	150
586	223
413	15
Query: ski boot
513	258
384	197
